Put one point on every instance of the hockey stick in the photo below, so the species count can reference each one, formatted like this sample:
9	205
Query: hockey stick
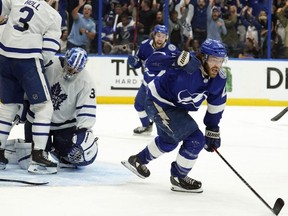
135	28
279	202
279	115
23	182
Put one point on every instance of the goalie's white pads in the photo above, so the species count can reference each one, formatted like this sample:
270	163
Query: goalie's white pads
183	58
23	153
17	151
84	150
10	152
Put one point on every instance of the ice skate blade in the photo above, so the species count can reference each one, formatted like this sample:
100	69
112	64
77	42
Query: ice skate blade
66	166
179	189
2	166
41	170
142	134
132	169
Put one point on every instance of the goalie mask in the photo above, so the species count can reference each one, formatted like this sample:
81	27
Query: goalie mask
75	61
84	150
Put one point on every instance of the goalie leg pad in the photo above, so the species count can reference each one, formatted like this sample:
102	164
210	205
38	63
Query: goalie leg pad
23	153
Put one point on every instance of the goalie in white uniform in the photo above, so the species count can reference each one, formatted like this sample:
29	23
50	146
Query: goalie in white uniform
74	100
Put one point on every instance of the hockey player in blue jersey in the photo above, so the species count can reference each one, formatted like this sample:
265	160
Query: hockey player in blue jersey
188	81
158	42
29	39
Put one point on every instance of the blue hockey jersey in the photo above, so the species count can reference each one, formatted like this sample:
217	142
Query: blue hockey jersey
177	88
146	49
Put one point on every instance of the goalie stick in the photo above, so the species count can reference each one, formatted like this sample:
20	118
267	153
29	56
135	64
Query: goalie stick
279	115
23	182
279	202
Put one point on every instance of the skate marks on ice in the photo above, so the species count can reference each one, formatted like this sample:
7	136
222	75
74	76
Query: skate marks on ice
99	173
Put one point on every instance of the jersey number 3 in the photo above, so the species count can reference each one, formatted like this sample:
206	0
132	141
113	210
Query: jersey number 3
24	20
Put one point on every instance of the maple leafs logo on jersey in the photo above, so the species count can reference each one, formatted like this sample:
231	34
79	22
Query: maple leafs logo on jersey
56	96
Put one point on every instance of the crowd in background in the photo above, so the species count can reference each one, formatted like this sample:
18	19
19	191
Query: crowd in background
241	24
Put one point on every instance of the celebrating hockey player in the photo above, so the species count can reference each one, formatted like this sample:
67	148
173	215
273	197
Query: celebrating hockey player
29	39
157	43
73	95
182	88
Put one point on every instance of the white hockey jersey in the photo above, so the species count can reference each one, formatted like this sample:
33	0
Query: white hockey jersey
33	29
74	100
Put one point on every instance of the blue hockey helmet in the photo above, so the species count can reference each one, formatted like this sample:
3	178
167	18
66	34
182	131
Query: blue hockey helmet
213	48
161	29
76	59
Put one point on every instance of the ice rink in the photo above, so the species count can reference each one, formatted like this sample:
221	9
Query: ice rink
255	146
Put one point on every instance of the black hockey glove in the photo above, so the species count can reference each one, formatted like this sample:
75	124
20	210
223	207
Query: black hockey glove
212	139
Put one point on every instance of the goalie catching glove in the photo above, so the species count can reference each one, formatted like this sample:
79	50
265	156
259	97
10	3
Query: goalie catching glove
84	149
212	138
188	62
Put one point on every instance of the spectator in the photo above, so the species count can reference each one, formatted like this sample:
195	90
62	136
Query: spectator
283	18
199	21
250	49
63	39
147	15
159	19
175	30
83	27
195	46
231	39
215	25
252	25
185	14
107	34
123	37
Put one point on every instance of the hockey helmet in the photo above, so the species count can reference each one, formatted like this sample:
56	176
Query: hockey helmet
161	29
213	48
76	59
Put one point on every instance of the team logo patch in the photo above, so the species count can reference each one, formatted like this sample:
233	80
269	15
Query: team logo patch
35	96
222	74
171	47
56	96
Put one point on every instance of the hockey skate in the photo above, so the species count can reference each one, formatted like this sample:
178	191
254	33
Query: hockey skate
134	165
40	163
185	184
64	163
3	160
146	131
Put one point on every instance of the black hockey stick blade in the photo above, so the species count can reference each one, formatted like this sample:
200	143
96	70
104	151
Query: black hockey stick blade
279	202
278	206
279	115
23	182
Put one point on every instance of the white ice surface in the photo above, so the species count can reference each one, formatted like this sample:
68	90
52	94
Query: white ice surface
256	147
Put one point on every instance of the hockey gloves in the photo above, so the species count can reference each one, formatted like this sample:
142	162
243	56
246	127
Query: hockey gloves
189	62
134	61
212	138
